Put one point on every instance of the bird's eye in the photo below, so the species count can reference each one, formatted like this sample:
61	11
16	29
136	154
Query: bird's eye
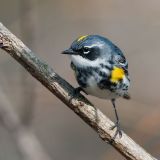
86	50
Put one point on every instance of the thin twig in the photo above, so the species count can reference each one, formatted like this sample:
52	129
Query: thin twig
64	91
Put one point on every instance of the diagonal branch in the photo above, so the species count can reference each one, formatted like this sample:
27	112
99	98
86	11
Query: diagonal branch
64	91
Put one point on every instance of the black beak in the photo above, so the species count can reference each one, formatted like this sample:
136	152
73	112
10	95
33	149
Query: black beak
69	51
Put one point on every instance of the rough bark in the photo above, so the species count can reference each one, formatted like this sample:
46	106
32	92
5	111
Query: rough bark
64	91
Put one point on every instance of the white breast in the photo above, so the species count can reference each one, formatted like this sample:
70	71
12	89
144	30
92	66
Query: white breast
94	90
97	92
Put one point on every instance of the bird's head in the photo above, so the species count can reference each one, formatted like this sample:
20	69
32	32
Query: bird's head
93	50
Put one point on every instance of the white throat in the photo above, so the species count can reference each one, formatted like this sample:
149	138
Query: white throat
79	61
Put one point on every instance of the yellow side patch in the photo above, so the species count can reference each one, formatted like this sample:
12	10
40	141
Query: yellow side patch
81	38
117	74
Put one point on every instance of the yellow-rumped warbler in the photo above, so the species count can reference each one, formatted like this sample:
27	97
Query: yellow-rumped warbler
100	69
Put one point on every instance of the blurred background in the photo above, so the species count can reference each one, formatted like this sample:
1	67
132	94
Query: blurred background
48	27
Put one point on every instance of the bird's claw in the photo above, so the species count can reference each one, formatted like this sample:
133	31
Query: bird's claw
118	130
76	92
1	45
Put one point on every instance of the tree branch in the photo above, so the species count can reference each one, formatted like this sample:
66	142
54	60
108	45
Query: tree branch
64	91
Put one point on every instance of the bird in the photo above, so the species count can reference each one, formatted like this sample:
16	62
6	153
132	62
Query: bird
101	70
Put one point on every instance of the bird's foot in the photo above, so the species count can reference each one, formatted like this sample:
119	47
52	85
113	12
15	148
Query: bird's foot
118	130
1	45
76	92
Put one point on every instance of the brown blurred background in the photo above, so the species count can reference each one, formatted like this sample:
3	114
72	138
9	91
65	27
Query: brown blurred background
48	27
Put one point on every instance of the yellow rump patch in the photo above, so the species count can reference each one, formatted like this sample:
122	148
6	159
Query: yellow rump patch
81	38
117	74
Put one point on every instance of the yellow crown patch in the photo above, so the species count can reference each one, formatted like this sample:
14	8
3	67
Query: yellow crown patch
117	74
81	38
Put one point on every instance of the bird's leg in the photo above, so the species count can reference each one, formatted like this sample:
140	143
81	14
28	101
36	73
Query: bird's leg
117	124
78	90
1	45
